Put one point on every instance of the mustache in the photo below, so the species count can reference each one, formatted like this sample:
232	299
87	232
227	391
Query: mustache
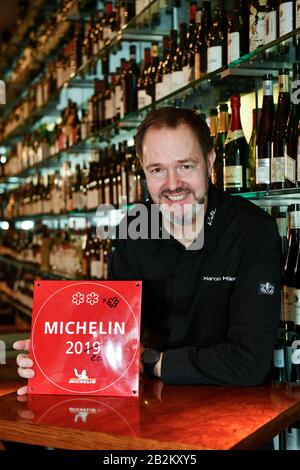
169	192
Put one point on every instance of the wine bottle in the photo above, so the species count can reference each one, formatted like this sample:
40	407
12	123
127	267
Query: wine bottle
213	123
278	362
289	275
130	79
237	32
202	39
278	133
160	78
271	21
291	132
236	150
217	42
257	9
280	215
295	370
150	82
292	436
256	115
217	173
194	22
286	17
179	78
143	98
264	136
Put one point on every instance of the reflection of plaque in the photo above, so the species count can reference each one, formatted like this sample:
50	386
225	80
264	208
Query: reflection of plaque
85	337
105	414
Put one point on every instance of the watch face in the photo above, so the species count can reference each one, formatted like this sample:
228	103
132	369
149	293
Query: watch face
150	356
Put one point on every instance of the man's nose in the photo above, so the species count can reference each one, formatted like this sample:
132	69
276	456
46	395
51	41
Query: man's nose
173	181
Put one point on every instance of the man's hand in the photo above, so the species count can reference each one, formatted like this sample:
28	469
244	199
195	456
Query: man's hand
25	364
157	367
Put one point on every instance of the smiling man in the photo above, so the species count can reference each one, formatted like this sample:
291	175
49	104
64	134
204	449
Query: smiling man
210	309
206	317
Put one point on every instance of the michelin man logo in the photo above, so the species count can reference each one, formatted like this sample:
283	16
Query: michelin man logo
81	378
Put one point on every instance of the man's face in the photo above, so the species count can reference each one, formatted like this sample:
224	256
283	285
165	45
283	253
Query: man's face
176	171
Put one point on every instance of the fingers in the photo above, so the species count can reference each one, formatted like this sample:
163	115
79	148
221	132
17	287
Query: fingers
26	373
24	361
22	390
22	345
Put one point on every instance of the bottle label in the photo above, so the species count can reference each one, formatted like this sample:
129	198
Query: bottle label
177	80
296	356
288	303
294	218
285	18
270	26
167	84
92	198
263	171
281	225
298	159
159	90
107	191
290	169
268	88
283	83
118	99
197	65
296	293
292	436
297	14
233	135
143	99
214	58
95	269
233	46
109	108
256	29
277	170
278	358
233	177
187	74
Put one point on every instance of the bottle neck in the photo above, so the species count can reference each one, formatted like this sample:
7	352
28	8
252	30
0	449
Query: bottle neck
283	84
235	123
223	122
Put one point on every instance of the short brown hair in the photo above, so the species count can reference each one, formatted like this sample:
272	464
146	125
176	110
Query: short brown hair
172	117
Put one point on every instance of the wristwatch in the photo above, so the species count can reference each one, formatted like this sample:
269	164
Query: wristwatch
150	357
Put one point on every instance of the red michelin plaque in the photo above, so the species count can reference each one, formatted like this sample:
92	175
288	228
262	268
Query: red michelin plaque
85	338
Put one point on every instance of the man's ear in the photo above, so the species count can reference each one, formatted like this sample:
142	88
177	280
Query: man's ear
211	157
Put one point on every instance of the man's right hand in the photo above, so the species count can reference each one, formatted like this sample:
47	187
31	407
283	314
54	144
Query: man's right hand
25	364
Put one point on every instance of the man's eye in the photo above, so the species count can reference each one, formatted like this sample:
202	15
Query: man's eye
186	167
156	170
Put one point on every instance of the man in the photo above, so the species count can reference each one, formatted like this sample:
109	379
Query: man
210	310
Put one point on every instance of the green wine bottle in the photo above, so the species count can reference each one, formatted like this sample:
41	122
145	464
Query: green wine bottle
236	150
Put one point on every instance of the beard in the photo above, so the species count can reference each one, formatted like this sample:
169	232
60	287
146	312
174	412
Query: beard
182	214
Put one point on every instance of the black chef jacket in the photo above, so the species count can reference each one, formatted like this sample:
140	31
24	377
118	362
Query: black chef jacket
213	311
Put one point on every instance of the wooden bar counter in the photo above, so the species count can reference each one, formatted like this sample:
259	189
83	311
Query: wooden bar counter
164	417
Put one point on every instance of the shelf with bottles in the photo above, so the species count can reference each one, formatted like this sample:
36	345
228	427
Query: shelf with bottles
28	267
287	196
9	49
10	296
209	88
34	56
204	92
76	61
56	254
